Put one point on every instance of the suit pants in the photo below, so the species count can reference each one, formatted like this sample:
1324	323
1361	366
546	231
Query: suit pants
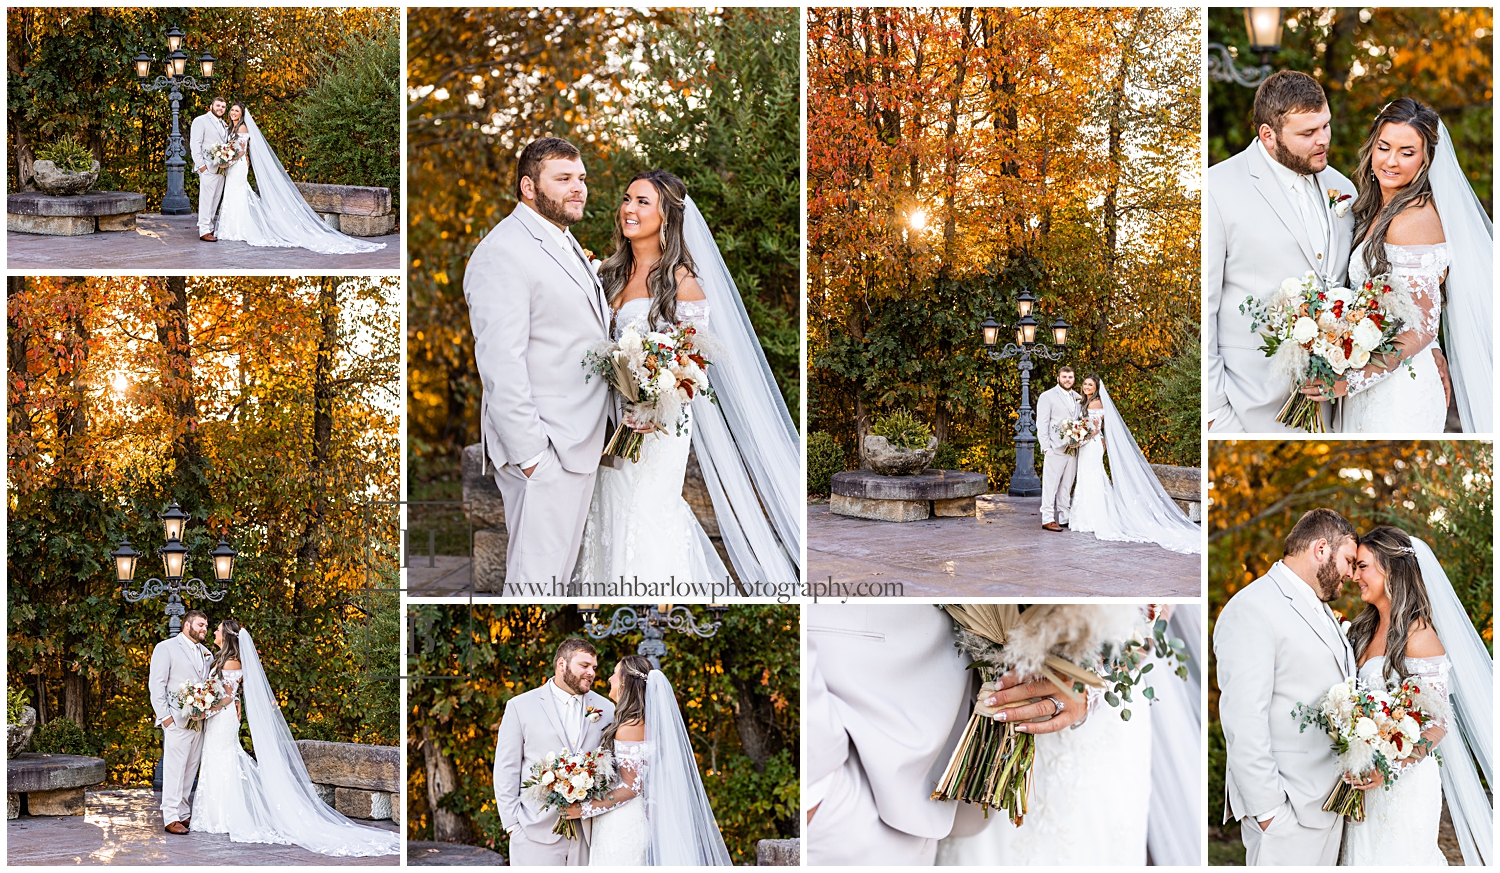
847	828
210	191
1058	470
180	750
544	519
1287	842
564	853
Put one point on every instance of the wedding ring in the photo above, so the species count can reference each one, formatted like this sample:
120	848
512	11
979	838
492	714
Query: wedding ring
1057	703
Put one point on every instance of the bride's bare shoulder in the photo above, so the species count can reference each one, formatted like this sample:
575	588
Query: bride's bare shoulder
631	731
1422	642
1416	226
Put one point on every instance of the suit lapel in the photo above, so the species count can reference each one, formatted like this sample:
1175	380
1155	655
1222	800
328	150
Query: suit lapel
569	264
1340	247
1265	183
1337	645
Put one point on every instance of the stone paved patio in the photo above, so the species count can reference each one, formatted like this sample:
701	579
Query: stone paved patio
123	826
448	577
1002	552
171	242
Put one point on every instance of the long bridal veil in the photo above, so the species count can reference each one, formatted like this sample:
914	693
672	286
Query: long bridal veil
1174	829
286	213
682	831
747	445
1469	306
1471	694
289	805
1142	512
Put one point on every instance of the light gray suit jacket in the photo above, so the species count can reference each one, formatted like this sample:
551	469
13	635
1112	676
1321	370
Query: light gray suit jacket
1273	652
207	131
1054	407
535	311
886	682
1253	238
174	662
529	729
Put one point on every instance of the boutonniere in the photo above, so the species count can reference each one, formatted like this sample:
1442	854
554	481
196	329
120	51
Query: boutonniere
592	713
1340	203
593	262
1344	628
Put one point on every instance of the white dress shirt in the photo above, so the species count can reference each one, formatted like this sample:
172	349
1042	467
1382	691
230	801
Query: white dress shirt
1309	202
570	710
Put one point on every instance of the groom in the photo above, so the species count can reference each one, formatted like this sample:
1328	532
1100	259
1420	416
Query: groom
536	307
208	130
1278	644
563	714
1056	405
1274	211
182	658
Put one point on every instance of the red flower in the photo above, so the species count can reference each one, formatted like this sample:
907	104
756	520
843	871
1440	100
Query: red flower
1348	346
1385	289
1378	319
1338	309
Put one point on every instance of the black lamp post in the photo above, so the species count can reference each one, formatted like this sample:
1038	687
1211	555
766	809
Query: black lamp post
653	622
174	563
174	81
1024	481
1263	24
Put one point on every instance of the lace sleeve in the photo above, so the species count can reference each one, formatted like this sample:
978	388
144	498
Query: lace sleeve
1424	286
695	311
632	776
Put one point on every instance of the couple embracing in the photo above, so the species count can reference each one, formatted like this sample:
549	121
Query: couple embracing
655	812
1280	648
1074	432
198	697
1409	222
540	307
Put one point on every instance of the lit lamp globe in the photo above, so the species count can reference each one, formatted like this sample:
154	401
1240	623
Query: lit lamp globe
223	556
174	39
206	65
173	558
991	332
1060	331
1263	24
125	558
142	65
175	521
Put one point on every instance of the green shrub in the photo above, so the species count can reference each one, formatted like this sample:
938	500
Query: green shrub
61	736
350	121
824	458
15	704
70	155
902	430
947	457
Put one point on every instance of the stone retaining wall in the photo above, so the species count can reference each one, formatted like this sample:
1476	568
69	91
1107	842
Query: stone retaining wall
1185	486
354	210
359	781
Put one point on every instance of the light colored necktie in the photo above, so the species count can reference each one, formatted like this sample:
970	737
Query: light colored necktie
1316	229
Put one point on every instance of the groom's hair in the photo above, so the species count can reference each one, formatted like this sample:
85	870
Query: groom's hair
1314	525
572	646
1285	92
545	149
1065	369
192	614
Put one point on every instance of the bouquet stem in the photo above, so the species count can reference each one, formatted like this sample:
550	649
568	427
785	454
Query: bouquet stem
1302	412
566	828
1346	800
991	767
625	443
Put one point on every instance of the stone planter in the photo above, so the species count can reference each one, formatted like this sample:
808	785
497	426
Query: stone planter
61	183
887	460
18	735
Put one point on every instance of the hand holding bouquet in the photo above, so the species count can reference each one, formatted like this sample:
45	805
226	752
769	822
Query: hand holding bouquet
1317	334
221	156
658	373
1372	730
1074	433
197	700
565	778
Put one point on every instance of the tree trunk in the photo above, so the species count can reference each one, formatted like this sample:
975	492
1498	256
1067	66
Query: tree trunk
172	331
18	346
442	779
75	690
322	438
755	721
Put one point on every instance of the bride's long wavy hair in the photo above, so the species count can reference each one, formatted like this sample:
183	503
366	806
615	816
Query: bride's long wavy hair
1409	604
1369	214
631	707
231	649
661	281
1098	387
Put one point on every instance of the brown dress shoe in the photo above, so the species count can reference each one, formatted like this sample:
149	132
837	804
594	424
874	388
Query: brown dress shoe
209	237
1051	525
177	827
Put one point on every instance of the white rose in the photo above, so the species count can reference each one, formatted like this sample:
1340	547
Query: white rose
1304	330
1365	728
1342	207
1326	320
1358	358
547	778
1365	335
580	781
1339	295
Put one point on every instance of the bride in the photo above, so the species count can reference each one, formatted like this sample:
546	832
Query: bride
1411	610
268	798
1135	507
1420	226
665	270
277	216
659	815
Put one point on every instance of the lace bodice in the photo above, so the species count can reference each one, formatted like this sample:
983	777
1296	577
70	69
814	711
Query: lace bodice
635	311
631	761
1420	269
1431	674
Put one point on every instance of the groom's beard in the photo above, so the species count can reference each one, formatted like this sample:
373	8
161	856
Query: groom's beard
1330	581
554	210
1298	164
574	683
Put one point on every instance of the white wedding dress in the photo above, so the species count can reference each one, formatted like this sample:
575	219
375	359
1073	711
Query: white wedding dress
1401	823
619	837
639	526
269	798
277	215
1403	400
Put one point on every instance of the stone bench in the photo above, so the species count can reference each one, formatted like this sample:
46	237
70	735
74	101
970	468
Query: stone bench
50	784
354	210
939	493
778	853
90	212
1185	486
359	781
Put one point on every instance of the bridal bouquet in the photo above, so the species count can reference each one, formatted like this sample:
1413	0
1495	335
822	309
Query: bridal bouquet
1077	646
1074	433
198	699
564	778
658	373
221	156
1317	334
1372	729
